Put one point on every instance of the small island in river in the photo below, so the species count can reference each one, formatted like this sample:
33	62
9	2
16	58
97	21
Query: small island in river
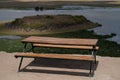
46	24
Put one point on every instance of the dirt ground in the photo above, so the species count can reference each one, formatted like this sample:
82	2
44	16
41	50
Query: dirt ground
106	68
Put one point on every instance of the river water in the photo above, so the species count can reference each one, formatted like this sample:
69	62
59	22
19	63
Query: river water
108	17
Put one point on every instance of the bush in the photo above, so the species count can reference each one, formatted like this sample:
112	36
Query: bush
49	16
113	34
37	8
17	21
80	19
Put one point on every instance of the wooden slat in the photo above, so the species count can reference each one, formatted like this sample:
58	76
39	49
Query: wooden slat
58	56
69	41
66	46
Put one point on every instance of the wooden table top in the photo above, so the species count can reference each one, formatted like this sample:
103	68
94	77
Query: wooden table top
68	41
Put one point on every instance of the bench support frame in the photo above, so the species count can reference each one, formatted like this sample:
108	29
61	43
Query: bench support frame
19	68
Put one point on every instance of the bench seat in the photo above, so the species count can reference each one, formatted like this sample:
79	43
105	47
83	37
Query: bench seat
58	56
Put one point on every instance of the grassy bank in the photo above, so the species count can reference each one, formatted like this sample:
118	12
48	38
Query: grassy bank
107	48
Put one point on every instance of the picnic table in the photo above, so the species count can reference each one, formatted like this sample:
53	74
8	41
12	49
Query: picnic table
52	42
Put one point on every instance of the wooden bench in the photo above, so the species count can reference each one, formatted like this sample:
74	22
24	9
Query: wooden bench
88	44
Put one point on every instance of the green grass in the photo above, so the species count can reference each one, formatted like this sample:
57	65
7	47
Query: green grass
107	48
9	45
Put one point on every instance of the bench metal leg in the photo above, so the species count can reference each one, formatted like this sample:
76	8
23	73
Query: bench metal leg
94	55
20	64
32	47
33	50
24	47
91	66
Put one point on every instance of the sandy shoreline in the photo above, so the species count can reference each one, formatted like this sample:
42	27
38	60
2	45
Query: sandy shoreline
108	68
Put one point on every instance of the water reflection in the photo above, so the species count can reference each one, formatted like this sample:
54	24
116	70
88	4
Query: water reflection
10	37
